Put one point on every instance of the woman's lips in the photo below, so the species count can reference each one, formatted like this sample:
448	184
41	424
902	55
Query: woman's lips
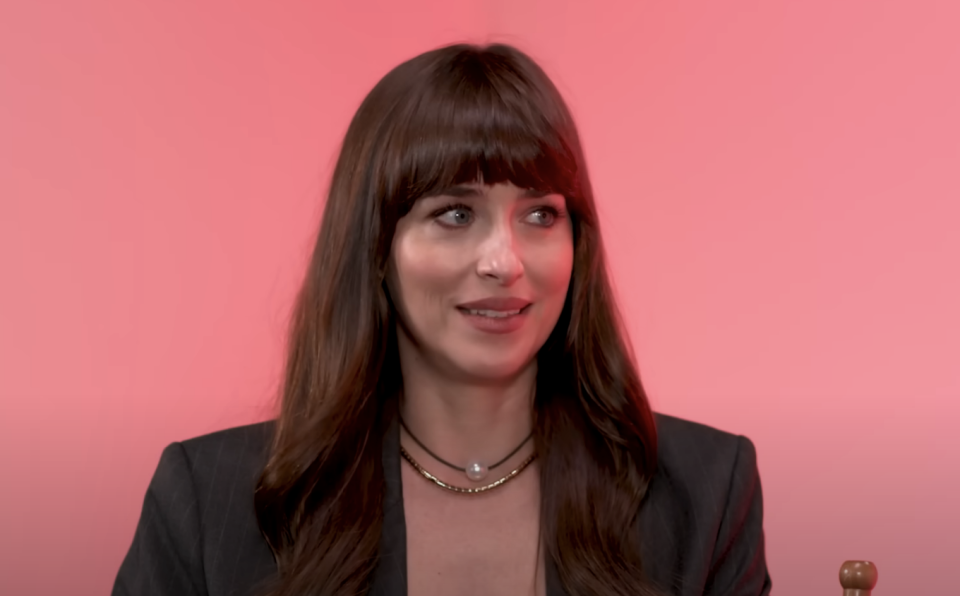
495	321
497	303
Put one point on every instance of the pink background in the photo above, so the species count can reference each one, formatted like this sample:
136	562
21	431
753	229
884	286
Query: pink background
780	189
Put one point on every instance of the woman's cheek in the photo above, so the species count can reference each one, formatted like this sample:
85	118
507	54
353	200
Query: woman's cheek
557	267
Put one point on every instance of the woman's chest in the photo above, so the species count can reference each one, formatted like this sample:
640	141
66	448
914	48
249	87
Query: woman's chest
473	544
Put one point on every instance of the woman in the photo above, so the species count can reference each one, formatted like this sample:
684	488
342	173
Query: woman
460	413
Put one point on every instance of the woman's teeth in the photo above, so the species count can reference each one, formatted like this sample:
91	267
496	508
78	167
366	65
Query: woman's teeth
497	314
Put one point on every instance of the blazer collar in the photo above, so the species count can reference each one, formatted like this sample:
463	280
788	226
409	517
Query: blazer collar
390	576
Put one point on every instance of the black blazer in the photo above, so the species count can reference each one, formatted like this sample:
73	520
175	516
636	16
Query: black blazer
701	524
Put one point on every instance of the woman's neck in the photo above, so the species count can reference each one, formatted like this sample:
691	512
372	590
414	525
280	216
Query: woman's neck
463	422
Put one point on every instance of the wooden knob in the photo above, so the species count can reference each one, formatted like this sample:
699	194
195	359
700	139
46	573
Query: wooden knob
858	578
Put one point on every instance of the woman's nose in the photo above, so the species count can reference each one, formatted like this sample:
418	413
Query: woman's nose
499	257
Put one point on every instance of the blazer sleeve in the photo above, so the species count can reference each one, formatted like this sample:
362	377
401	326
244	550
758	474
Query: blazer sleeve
165	558
739	566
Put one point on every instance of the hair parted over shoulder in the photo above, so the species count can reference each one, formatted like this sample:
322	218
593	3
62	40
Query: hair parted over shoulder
457	114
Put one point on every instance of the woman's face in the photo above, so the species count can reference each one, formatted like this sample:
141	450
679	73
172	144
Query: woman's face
479	276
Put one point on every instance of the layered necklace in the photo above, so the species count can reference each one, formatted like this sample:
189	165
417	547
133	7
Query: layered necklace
474	470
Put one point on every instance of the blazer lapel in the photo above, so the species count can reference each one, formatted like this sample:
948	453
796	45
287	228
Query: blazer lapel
390	576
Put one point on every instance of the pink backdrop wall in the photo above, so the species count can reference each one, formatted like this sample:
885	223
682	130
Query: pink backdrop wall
780	186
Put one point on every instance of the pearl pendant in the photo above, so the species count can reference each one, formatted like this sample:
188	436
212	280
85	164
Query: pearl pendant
476	471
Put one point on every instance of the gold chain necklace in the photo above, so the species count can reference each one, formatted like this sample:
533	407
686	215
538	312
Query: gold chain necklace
458	489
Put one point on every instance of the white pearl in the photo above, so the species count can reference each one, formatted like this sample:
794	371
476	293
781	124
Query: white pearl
476	471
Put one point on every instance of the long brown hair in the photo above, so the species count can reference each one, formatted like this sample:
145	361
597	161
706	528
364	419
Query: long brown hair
456	114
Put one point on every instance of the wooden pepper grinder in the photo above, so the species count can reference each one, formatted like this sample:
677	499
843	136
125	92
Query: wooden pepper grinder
858	578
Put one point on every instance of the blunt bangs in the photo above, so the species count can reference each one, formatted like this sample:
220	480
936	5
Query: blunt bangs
477	120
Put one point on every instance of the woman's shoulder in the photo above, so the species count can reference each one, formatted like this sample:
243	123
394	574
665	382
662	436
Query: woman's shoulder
198	523
702	459
208	469
703	467
227	455
249	439
677	437
702	525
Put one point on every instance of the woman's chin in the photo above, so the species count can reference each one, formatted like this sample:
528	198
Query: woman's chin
494	371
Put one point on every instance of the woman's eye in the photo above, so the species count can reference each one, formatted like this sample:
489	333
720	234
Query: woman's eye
544	216
456	216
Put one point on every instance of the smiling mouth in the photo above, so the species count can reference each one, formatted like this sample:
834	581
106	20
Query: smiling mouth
493	314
